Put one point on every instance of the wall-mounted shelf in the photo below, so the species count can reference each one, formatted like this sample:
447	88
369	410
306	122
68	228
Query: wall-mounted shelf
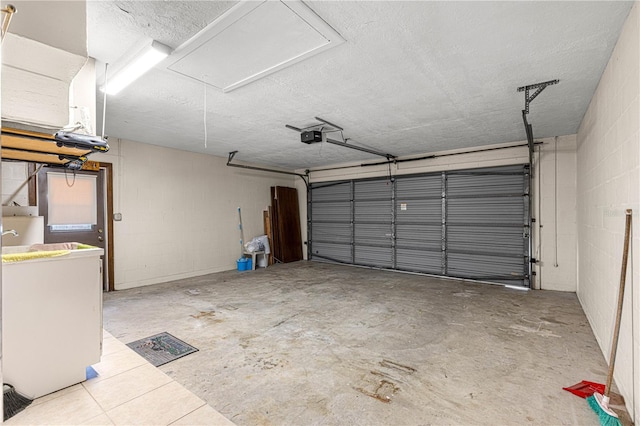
34	147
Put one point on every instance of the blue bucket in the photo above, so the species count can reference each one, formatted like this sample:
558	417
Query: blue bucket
242	264
249	264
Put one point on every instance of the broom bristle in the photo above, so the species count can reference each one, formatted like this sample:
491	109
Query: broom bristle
605	418
13	402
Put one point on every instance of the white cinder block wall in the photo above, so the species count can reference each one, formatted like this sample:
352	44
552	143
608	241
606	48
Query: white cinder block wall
14	175
179	212
555	213
547	159
609	183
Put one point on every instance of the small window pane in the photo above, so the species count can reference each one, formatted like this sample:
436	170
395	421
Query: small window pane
72	199
76	227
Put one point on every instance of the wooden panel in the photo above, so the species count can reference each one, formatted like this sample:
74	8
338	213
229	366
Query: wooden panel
273	213
32	157
34	147
268	230
93	166
33	188
272	229
288	222
109	222
26	143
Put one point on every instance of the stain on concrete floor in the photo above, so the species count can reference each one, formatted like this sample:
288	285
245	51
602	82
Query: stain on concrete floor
312	343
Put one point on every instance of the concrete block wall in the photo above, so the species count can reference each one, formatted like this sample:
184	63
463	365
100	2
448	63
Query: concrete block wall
608	183
14	175
179	212
555	213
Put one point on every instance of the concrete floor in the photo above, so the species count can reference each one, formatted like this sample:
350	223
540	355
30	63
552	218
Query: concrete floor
311	343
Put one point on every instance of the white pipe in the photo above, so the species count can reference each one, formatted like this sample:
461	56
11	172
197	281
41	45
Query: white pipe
555	200
104	103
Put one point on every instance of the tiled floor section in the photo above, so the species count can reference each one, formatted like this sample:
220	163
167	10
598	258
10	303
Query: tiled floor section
127	391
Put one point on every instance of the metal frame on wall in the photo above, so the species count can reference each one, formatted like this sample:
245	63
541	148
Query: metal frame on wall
471	224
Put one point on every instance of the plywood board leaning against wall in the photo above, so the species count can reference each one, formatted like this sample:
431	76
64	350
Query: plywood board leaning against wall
285	220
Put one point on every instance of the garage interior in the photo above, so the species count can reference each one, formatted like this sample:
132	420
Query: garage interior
461	169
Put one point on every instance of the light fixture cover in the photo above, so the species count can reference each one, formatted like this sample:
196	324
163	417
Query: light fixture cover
146	59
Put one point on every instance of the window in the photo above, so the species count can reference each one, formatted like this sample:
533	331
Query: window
72	201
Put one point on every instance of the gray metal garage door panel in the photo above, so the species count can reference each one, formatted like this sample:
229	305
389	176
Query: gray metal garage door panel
330	228
339	252
419	187
373	211
373	256
331	212
483	236
418	237
497	240
497	211
373	189
331	232
373	234
482	185
331	192
482	267
422	211
426	261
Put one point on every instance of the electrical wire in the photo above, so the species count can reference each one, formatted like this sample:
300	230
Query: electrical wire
120	184
205	115
66	178
555	200
104	98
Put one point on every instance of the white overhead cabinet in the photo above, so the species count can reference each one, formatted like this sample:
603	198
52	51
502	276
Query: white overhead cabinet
35	82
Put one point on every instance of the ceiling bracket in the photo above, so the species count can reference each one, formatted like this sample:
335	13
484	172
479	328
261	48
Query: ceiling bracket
528	98
329	123
317	126
539	88
335	128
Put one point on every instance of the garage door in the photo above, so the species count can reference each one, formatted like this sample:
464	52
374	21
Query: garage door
469	224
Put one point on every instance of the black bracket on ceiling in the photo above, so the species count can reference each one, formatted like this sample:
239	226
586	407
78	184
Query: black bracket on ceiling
322	123
528	98
232	154
539	87
321	127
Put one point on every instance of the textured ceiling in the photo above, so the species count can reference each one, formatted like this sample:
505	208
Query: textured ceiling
412	77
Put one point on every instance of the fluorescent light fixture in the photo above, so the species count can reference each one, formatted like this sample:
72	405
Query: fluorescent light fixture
146	59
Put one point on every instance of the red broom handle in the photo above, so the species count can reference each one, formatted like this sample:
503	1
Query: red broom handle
623	277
